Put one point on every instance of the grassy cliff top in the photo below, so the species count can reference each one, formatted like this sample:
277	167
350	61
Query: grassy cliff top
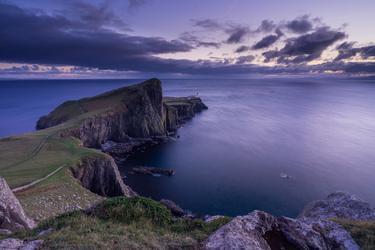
31	157
109	100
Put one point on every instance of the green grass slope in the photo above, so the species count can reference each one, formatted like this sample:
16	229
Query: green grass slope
124	223
30	157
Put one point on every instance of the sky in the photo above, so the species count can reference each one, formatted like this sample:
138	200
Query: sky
196	38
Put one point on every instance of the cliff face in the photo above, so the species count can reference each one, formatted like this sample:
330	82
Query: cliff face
101	176
180	109
137	111
12	216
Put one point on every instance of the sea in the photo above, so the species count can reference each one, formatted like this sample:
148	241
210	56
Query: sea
266	143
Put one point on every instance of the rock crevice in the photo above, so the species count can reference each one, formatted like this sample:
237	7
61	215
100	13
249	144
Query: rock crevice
101	176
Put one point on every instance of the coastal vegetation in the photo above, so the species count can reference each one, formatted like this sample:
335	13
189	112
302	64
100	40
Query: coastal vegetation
123	223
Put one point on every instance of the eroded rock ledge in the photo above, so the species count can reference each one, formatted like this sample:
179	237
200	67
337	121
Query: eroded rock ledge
313	229
101	176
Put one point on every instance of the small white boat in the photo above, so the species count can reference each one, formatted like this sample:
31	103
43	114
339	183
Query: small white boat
285	176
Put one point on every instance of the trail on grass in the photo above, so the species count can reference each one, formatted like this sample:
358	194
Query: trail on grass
33	153
17	189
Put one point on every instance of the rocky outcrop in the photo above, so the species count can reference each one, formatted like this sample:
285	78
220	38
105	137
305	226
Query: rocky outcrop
175	209
16	244
339	205
313	229
153	171
181	109
101	176
12	216
137	111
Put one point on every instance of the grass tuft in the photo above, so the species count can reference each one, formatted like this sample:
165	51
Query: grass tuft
363	232
128	210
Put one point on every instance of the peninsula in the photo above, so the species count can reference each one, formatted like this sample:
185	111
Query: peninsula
61	187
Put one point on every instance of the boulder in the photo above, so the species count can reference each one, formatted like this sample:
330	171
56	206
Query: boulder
16	244
313	229
12	215
339	205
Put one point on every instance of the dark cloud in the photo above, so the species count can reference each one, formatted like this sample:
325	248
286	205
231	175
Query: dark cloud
43	39
266	26
93	16
300	25
306	47
245	59
54	40
135	4
267	41
237	33
242	48
209	24
346	51
367	52
193	40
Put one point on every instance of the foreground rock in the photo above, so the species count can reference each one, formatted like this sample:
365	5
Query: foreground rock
12	216
311	230
339	205
153	171
16	244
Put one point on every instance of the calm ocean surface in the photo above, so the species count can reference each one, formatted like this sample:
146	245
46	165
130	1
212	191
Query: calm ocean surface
228	159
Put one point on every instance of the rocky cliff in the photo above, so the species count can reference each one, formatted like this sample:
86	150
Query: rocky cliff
101	176
12	216
137	111
117	122
313	229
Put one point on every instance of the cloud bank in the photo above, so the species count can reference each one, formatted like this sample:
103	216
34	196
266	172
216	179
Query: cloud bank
92	37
